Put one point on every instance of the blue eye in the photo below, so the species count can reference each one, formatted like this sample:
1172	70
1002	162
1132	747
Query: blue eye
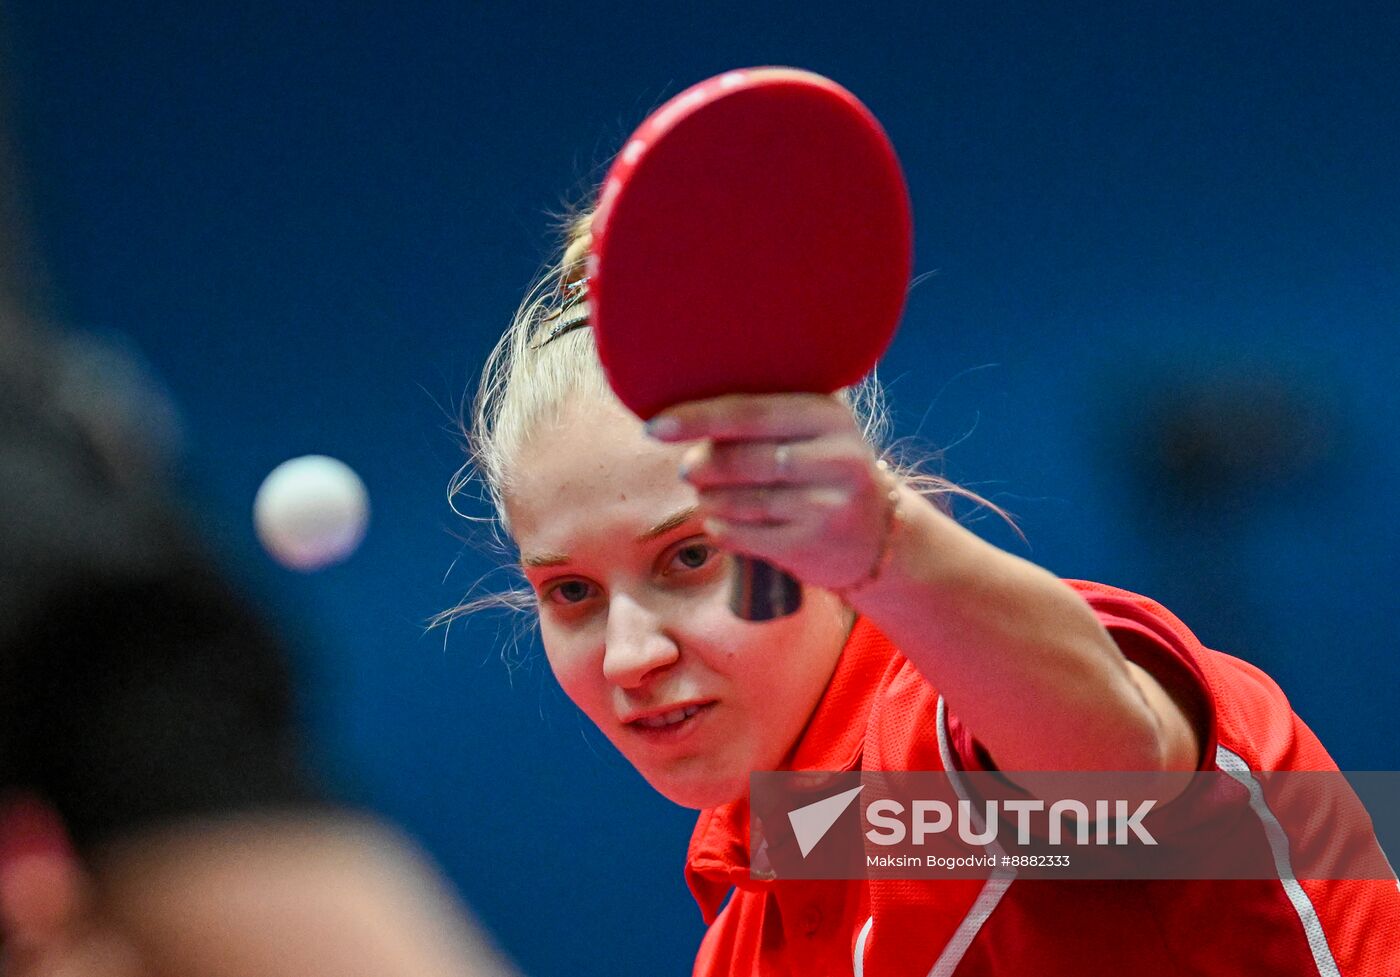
573	592
692	556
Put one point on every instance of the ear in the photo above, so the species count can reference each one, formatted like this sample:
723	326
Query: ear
42	883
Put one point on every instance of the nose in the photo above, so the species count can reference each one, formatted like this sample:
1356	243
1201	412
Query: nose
637	643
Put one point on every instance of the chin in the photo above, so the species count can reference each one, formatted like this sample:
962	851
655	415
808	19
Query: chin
700	793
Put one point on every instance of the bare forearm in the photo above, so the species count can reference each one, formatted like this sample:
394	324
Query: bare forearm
1019	657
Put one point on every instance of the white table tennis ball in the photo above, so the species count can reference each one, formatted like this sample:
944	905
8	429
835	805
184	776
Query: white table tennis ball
311	512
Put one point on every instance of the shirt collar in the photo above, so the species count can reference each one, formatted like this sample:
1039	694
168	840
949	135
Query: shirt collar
833	739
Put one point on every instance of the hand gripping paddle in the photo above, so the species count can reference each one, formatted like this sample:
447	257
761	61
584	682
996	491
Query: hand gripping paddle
753	236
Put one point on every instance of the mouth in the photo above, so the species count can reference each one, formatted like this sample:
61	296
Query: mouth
673	724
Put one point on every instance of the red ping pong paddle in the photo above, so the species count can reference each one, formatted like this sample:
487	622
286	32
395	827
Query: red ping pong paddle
753	236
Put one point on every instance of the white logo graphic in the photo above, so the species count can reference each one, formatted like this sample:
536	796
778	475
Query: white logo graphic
811	823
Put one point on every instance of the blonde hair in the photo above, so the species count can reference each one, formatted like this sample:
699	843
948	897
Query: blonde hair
525	381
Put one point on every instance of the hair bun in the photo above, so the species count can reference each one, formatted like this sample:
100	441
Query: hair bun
575	262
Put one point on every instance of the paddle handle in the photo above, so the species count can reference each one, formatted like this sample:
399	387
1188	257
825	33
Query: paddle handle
762	592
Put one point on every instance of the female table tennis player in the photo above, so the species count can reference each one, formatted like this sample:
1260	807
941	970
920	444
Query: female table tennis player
919	646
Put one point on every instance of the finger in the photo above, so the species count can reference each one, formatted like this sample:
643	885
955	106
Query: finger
797	547
832	460
753	539
753	416
772	505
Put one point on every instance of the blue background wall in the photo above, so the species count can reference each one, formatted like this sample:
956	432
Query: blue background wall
1163	332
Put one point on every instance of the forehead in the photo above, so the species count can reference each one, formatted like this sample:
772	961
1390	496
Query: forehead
593	471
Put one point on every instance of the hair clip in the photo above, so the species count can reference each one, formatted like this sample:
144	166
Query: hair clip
573	314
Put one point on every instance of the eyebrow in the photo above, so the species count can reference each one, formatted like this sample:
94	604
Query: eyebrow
678	518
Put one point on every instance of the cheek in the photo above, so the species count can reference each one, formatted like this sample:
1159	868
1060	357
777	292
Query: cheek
786	667
578	672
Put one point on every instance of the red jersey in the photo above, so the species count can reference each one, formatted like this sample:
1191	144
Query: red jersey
880	713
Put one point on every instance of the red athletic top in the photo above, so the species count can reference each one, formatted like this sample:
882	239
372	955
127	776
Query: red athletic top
879	713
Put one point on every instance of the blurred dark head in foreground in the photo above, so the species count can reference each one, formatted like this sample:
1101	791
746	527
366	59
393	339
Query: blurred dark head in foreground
136	684
155	816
